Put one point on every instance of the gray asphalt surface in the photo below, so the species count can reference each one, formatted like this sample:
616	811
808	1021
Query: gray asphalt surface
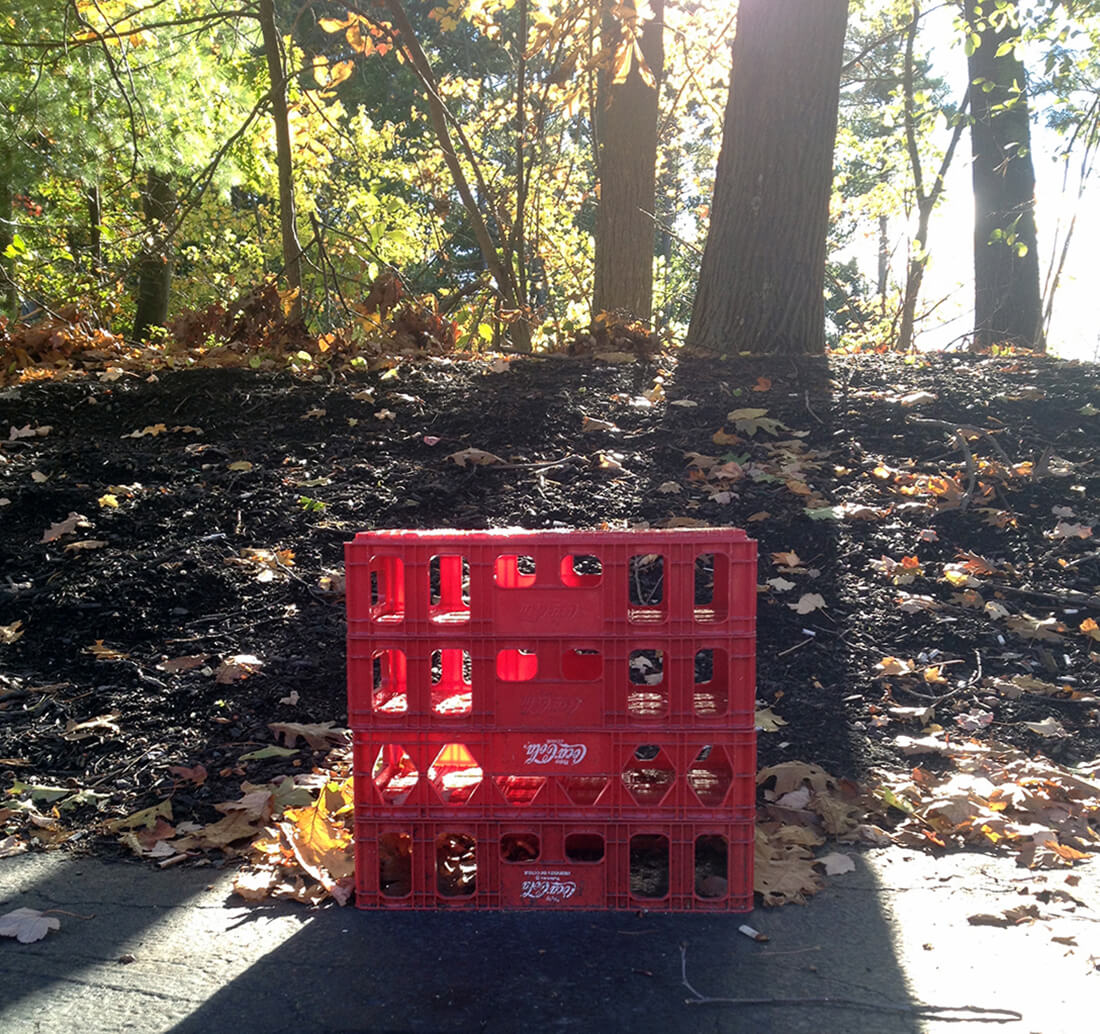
892	935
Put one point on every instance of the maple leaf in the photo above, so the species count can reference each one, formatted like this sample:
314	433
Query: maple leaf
749	421
790	775
317	736
1028	627
27	925
255	885
1064	530
196	774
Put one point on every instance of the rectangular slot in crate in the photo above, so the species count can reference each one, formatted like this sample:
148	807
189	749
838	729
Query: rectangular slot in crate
660	774
516	582
668	867
563	682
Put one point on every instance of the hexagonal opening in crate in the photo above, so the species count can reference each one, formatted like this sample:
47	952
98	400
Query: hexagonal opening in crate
648	775
395	774
455	774
710	776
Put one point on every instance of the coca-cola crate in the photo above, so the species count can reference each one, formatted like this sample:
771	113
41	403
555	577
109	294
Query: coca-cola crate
519	864
512	582
545	775
543	682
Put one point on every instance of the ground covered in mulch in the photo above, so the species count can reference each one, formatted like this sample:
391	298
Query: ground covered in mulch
171	548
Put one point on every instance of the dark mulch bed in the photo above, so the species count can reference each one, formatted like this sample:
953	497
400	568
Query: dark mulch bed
1009	649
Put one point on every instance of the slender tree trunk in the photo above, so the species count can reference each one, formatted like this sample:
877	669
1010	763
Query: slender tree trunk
8	291
762	281
1007	306
501	269
94	204
626	130
155	265
288	216
883	261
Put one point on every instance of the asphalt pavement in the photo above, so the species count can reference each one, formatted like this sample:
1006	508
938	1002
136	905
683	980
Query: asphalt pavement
139	949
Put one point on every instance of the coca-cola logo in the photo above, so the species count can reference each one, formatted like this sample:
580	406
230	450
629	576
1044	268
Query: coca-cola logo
554	752
548	886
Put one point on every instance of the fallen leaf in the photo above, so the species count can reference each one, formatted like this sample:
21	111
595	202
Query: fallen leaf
268	752
590	423
144	819
291	698
768	721
781	585
65	527
152	430
185	663
255	885
242	465
786	559
240	666
749	421
317	736
27	925
196	774
808	603
104	724
1064	530
762	384
836	863
104	653
1049	726
669	488
11	633
476	457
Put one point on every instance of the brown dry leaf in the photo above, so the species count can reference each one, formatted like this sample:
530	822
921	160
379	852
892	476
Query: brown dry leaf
104	653
151	431
1089	627
255	884
85	544
11	633
322	847
783	871
808	603
240	666
197	774
1028	627
895	666
237	825
749	421
66	527
475	457
102	725
185	663
836	863
788	558
762	384
317	736
27	925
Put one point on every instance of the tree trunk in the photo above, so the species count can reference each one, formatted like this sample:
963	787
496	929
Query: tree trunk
761	285
288	216
155	264
1007	307
626	129
9	295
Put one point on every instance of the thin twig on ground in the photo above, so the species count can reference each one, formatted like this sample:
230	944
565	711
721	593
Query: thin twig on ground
956	1013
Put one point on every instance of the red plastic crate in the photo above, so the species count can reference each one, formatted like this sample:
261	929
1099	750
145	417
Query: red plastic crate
543	775
575	682
512	582
665	867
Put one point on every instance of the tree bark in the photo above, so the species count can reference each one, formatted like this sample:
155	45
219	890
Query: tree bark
626	129
155	265
761	285
288	216
1007	306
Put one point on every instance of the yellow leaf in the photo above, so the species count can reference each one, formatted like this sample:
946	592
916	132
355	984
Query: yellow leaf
108	501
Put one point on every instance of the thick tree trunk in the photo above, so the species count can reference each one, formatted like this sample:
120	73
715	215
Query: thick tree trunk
288	215
1007	307
155	265
761	285
626	128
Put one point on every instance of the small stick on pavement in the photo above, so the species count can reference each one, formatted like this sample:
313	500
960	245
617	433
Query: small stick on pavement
942	1012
